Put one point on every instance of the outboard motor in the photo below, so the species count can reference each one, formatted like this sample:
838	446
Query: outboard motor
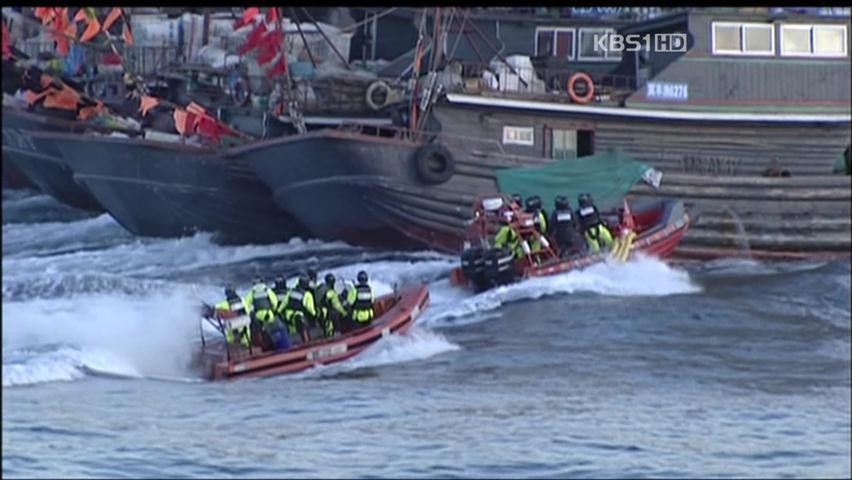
472	263
499	266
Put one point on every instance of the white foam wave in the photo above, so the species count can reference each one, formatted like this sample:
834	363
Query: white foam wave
157	257
416	344
150	334
62	365
642	276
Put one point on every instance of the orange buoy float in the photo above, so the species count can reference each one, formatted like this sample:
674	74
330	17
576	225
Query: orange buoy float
590	87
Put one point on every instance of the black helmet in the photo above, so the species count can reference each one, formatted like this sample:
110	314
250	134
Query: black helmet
362	277
561	203
517	198
312	275
585	200
329	280
303	281
280	282
533	203
256	280
230	291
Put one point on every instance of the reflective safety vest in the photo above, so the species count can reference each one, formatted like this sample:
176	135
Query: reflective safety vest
589	217
507	237
540	220
235	305
361	299
301	301
262	301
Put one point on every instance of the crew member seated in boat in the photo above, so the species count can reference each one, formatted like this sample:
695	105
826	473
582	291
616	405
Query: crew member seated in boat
233	303
301	309
360	297
533	206
518	200
329	306
564	229
506	236
597	234
262	303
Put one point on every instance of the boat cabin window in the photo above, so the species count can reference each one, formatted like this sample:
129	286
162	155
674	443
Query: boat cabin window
729	38
555	41
589	45
813	40
518	136
568	144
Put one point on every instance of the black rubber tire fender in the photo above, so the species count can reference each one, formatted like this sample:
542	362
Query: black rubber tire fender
434	163
378	94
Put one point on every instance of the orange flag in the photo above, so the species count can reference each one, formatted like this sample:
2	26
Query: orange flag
146	103
126	34
195	108
112	17
184	121
248	16
92	29
81	15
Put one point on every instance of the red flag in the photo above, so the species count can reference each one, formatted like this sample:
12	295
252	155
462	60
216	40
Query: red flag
46	14
266	55
196	109
279	67
272	14
253	38
126	34
112	17
7	42
184	121
210	128
272	39
248	16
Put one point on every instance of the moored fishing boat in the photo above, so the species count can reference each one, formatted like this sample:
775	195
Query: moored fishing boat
168	189
654	228
43	166
395	313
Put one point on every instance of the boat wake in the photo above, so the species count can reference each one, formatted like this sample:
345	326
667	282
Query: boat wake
641	276
418	344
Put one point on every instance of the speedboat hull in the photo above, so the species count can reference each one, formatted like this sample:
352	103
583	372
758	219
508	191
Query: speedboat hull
399	311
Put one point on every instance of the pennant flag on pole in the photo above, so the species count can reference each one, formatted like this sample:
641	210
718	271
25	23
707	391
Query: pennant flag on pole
146	103
112	17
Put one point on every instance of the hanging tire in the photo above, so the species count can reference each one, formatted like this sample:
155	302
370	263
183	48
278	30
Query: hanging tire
434	163
378	94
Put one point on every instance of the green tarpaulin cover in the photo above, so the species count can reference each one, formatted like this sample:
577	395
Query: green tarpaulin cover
606	176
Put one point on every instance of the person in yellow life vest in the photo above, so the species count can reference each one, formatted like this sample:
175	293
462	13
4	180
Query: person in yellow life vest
329	306
597	234
533	206
233	303
261	304
506	236
300	308
360	297
281	290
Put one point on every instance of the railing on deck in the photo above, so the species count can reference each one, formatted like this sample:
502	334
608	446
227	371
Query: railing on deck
549	81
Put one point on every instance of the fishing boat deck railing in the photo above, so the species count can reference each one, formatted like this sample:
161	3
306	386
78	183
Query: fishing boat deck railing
407	134
548	82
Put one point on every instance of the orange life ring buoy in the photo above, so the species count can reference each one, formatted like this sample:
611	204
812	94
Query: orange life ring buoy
590	87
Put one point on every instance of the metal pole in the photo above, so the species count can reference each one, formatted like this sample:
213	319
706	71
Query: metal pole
301	34
345	62
487	41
